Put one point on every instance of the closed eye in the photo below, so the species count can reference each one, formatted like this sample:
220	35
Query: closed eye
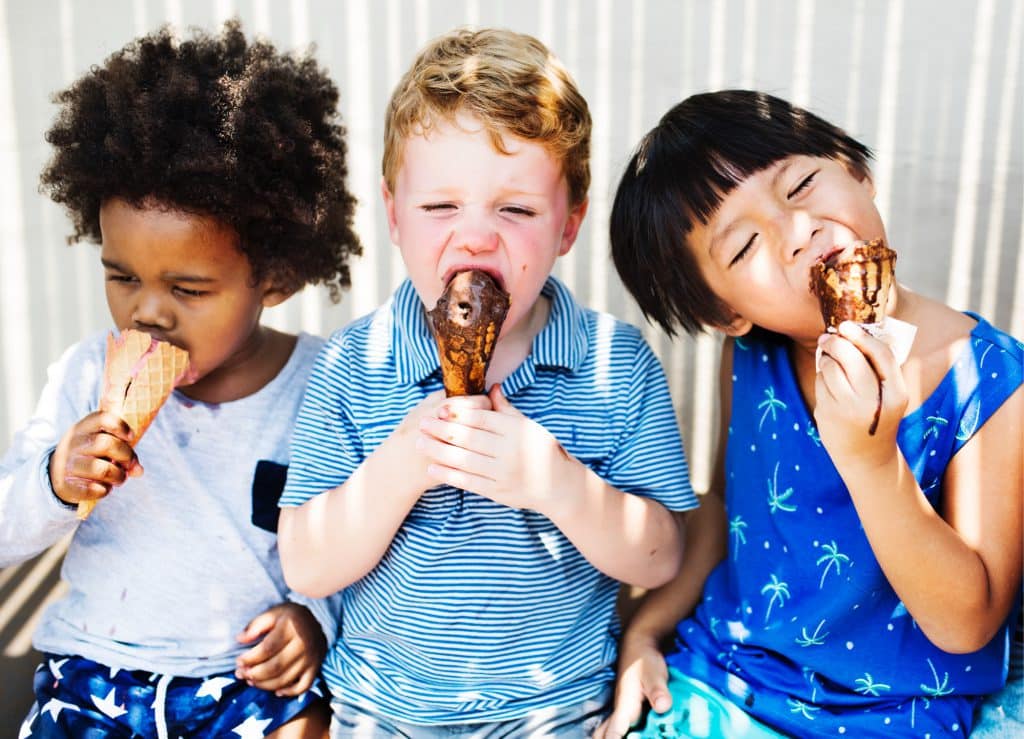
804	184
437	207
189	293
114	277
742	253
518	210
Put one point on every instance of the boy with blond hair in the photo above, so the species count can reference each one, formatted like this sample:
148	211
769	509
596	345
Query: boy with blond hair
478	540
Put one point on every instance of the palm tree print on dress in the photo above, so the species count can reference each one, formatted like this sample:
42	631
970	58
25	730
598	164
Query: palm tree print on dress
934	422
804	709
816	639
812	431
736	526
777	502
939	689
867	685
770	403
834	557
779	592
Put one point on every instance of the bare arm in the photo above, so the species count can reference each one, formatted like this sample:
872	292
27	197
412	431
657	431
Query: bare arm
335	538
642	670
957	573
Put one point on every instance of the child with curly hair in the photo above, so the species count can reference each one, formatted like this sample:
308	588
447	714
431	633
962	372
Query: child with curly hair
212	173
874	507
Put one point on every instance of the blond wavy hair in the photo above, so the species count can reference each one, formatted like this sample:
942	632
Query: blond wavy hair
510	82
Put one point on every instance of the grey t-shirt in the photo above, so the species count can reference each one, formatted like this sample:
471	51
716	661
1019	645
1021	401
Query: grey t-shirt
170	567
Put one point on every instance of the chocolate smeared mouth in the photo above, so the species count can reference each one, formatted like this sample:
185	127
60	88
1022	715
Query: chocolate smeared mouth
466	323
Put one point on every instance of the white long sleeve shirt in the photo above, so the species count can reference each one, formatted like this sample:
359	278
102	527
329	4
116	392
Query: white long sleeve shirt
169	567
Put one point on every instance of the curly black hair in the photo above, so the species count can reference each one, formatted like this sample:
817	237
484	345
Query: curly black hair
219	127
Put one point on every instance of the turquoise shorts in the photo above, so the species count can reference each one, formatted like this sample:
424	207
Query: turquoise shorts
702	712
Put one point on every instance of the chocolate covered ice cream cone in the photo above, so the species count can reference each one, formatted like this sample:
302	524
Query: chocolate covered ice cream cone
853	284
466	322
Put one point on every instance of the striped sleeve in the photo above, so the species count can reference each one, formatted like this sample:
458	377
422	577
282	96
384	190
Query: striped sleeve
648	457
326	447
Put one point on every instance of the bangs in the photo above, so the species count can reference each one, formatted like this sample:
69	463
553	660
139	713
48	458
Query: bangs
739	134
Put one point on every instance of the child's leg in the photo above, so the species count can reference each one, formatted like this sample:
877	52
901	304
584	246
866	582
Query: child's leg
313	723
1002	714
700	711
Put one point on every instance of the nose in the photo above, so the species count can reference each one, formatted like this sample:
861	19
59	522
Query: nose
804	233
476	234
151	311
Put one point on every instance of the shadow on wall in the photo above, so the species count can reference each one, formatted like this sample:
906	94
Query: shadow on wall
25	592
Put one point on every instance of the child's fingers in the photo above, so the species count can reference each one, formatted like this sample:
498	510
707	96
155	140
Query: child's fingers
461	480
89	469
454	456
114	425
479	418
256	628
462	437
877	353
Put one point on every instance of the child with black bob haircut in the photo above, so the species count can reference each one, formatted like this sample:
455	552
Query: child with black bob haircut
869	576
212	173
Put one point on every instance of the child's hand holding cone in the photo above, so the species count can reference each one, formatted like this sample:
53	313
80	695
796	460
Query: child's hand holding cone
139	375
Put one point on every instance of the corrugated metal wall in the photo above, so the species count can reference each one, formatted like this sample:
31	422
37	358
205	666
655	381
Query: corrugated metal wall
933	87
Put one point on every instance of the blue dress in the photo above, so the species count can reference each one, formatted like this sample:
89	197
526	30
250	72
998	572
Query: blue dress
799	625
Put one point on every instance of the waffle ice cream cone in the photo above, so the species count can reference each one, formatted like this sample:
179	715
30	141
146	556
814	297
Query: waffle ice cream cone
138	377
466	322
853	284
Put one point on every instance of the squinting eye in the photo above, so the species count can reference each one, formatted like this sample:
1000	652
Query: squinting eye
435	207
804	184
120	278
190	293
743	252
519	211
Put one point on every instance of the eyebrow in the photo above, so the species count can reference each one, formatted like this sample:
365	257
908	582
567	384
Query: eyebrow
721	235
169	276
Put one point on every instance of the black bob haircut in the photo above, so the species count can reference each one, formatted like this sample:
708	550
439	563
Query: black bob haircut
219	127
698	153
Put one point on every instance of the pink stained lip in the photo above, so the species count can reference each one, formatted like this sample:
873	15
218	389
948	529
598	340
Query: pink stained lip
450	274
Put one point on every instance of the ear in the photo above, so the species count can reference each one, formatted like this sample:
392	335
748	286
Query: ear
865	179
572	227
389	209
737	326
274	295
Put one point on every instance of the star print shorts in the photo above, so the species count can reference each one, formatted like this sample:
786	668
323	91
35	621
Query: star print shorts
79	698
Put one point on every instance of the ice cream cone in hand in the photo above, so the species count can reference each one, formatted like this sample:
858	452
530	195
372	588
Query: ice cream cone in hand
138	377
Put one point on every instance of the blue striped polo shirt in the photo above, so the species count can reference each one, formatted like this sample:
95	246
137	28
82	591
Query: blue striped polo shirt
478	611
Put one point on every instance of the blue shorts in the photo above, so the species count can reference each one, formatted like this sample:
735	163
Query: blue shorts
76	697
700	711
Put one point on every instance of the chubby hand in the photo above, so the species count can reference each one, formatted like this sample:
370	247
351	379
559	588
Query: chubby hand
498	453
407	435
860	395
643	675
92	458
288	658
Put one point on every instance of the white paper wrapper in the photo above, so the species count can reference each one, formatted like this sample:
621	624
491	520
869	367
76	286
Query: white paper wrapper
899	335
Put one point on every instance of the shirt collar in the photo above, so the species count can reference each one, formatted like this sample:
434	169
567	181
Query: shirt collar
562	343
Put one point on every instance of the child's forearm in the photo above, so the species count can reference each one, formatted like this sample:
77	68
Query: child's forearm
705	546
334	539
633	539
942	580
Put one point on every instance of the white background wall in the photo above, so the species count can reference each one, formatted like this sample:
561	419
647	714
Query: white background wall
934	88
